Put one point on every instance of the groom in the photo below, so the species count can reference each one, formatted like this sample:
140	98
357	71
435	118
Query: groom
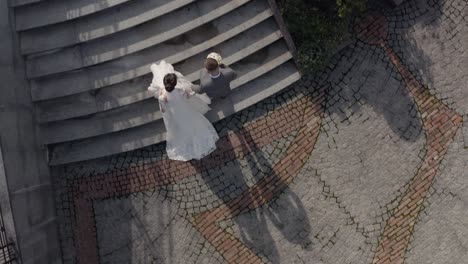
215	78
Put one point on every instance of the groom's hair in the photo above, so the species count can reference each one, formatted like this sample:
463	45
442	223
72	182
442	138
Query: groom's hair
170	81
211	64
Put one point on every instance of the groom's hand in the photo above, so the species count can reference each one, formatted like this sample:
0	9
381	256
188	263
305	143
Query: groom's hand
195	88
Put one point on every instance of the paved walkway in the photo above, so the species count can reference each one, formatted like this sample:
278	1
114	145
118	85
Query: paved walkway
364	163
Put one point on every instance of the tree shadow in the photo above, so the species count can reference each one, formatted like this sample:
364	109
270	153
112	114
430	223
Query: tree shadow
137	229
403	21
361	75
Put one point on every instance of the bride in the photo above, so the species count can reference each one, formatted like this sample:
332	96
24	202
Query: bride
189	134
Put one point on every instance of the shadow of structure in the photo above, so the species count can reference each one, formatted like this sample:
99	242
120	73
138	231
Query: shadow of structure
360	79
290	219
243	170
139	228
415	28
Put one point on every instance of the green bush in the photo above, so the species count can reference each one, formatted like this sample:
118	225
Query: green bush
347	7
318	27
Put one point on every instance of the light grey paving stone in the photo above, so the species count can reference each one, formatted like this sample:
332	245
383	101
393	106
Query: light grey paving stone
435	48
205	191
371	129
301	226
441	234
147	228
465	130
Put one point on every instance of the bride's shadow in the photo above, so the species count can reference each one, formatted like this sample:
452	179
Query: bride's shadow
233	179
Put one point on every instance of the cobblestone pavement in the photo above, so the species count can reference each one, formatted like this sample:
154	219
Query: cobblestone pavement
366	162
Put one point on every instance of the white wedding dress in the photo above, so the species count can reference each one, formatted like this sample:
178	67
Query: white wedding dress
189	135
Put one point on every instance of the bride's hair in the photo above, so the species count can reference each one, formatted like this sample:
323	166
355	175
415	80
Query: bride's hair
170	82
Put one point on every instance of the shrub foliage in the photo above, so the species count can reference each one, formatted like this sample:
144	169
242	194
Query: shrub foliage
318	27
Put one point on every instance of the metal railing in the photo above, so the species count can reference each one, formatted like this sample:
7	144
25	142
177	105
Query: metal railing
7	249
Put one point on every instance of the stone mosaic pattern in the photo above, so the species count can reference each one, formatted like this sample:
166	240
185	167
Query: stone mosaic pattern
440	123
362	163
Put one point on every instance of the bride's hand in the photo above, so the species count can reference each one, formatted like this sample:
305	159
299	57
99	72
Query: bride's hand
188	94
161	107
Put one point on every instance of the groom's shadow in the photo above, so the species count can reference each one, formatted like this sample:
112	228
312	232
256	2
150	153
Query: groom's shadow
233	177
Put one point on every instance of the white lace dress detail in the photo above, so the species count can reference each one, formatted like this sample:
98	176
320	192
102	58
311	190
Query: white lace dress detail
189	135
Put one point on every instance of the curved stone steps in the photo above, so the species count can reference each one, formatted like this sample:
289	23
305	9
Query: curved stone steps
134	90
49	12
137	65
88	64
101	123
17	3
145	111
128	42
97	25
153	133
255	91
87	103
235	53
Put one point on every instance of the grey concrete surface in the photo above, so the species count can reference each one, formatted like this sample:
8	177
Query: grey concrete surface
9	230
442	231
465	130
23	2
25	164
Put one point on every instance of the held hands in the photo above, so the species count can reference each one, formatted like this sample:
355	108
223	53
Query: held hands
162	101
189	94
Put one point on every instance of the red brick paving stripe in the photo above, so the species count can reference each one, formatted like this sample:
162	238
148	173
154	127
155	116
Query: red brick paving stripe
372	29
264	190
85	234
275	125
440	124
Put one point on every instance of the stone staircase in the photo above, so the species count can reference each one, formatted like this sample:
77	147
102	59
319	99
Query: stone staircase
88	63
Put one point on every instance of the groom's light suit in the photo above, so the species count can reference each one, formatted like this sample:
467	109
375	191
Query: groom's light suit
216	87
